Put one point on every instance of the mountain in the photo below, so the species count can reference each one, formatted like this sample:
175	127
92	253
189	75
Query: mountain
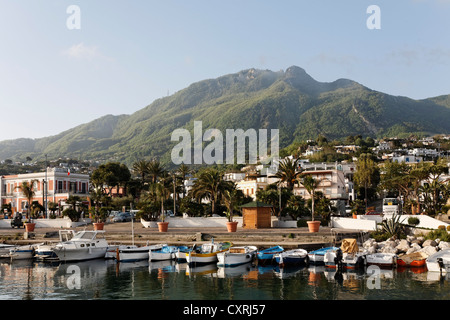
291	101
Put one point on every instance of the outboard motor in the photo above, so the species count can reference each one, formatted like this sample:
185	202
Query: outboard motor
338	259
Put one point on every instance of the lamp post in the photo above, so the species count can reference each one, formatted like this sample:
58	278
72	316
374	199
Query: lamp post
45	189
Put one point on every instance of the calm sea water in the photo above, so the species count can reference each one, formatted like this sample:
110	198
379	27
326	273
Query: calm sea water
108	280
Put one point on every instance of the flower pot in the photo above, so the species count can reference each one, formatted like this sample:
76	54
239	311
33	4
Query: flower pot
29	227
232	226
313	226
163	226
98	225
355	216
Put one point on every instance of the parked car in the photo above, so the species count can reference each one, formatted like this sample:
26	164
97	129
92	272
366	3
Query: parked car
122	217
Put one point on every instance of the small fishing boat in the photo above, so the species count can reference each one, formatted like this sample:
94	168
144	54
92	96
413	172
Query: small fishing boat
22	252
84	245
316	256
415	259
383	260
180	255
236	256
162	254
207	253
439	261
134	253
292	257
347	256
267	255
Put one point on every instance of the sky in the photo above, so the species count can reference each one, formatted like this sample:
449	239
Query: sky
61	67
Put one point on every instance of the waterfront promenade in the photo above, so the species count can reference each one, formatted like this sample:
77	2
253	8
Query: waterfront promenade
122	233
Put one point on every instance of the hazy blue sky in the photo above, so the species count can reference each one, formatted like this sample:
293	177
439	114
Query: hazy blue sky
129	53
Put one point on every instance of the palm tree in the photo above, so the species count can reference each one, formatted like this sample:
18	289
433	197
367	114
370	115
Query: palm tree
231	197
155	169
288	172
27	189
210	184
141	167
310	185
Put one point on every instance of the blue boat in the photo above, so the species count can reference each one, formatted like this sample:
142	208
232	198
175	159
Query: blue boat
292	257
267	255
316	256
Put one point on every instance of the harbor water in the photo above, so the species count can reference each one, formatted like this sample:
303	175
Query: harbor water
108	280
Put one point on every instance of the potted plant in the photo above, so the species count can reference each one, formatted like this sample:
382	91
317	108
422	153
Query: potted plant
146	213
230	198
311	184
163	225
100	218
27	189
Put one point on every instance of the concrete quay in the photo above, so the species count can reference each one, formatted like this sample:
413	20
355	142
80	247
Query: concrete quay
122	233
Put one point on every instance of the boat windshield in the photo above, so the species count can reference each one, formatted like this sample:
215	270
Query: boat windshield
84	235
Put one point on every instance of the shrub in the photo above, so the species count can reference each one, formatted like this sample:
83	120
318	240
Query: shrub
441	227
73	214
441	234
413	221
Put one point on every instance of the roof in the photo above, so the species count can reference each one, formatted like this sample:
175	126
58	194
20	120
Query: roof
255	204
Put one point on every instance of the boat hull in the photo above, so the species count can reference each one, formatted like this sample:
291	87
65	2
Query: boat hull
136	253
292	257
267	256
80	254
317	256
22	253
382	260
439	262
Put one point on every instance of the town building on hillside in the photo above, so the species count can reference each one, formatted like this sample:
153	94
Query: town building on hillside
61	184
333	184
252	183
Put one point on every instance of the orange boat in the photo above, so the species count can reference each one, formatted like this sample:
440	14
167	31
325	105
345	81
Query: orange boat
415	259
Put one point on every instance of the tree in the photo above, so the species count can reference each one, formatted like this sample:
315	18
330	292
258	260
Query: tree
210	185
367	174
288	172
231	198
155	169
141	167
271	195
27	189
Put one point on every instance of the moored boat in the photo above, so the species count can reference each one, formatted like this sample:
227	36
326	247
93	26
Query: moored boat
134	253
84	245
180	255
267	255
347	256
439	261
382	260
207	253
236	256
317	256
22	252
164	253
292	257
415	259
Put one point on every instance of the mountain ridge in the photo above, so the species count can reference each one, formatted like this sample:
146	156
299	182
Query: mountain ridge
291	101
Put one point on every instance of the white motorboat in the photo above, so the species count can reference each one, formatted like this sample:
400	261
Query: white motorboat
383	260
136	253
439	261
207	253
236	256
162	254
84	245
22	252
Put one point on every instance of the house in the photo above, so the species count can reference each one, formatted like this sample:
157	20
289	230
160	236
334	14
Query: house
333	184
60	185
252	183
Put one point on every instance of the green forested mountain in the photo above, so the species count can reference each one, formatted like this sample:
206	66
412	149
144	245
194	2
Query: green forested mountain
291	101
